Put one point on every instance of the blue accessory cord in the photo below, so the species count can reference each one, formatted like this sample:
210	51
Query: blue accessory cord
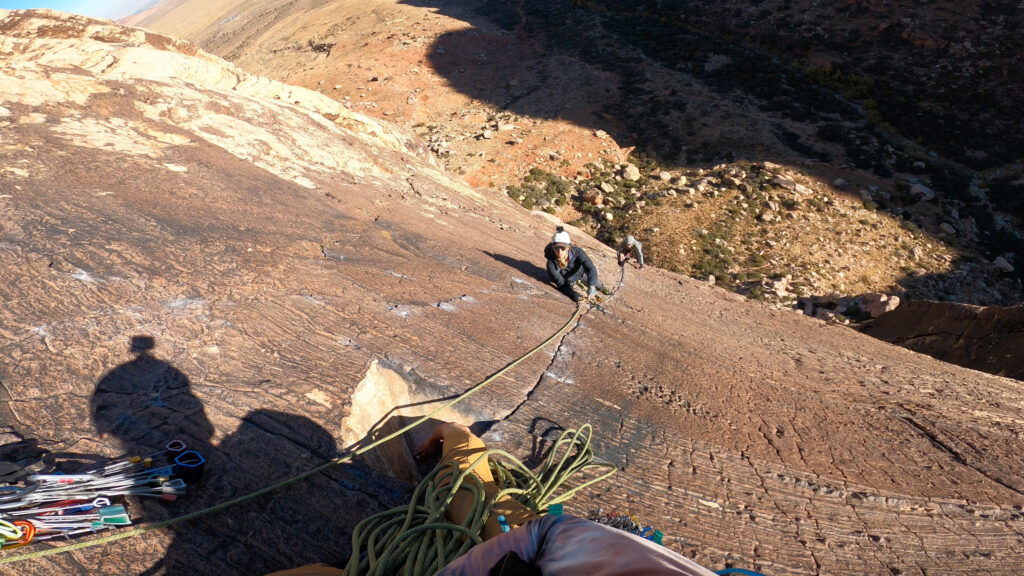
504	524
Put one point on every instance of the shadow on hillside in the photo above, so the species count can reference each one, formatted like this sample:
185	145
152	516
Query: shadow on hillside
625	71
556	60
147	402
968	282
527	62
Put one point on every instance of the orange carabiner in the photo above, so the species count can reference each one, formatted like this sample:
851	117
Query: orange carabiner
28	532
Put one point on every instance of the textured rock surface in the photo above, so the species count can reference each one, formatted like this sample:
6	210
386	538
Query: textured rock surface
298	277
983	338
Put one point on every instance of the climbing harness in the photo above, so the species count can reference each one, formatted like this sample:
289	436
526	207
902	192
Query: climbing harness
417	540
347	457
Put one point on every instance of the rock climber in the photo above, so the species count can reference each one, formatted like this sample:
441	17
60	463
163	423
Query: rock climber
568	264
630	248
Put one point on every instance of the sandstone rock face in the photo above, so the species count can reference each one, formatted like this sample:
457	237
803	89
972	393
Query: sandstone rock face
183	259
984	338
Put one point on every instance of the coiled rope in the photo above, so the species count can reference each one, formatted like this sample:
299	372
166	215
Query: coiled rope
417	540
122	535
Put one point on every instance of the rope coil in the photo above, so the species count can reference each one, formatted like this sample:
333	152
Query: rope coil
417	540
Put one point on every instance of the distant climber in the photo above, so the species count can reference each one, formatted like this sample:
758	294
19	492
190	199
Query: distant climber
568	264
630	248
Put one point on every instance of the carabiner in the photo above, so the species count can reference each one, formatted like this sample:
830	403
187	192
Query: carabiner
9	531
28	532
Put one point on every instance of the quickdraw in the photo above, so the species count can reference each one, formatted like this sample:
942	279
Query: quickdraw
55	505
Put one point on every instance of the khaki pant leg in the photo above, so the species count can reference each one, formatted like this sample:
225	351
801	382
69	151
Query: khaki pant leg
464	447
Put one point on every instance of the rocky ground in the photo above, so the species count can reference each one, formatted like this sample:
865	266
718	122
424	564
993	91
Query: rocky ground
305	275
548	101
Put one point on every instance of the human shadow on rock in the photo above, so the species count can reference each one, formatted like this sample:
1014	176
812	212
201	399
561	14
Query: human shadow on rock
147	402
305	522
526	267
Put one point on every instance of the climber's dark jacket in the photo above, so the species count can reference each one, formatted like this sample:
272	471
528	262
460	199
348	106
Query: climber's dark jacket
579	265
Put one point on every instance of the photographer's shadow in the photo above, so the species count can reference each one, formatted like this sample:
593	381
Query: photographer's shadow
147	402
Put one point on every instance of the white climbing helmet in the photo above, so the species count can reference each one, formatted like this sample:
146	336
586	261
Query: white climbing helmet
561	237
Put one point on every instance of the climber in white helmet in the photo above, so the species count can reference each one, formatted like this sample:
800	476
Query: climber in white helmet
568	264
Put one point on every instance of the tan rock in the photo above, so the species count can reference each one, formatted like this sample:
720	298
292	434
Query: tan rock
877	304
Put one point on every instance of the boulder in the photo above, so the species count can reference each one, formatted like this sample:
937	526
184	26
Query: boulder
631	173
1003	264
923	191
986	338
875	304
593	196
784	183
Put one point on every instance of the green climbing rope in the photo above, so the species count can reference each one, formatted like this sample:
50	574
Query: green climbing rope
417	540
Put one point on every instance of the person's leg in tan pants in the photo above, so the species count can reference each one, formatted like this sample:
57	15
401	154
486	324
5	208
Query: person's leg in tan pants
462	446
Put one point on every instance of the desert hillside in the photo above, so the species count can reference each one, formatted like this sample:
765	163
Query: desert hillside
899	123
195	251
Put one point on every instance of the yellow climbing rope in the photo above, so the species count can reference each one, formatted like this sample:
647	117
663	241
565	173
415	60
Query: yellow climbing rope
417	540
122	535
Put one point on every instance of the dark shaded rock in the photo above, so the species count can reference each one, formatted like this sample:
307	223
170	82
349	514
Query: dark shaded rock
988	338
